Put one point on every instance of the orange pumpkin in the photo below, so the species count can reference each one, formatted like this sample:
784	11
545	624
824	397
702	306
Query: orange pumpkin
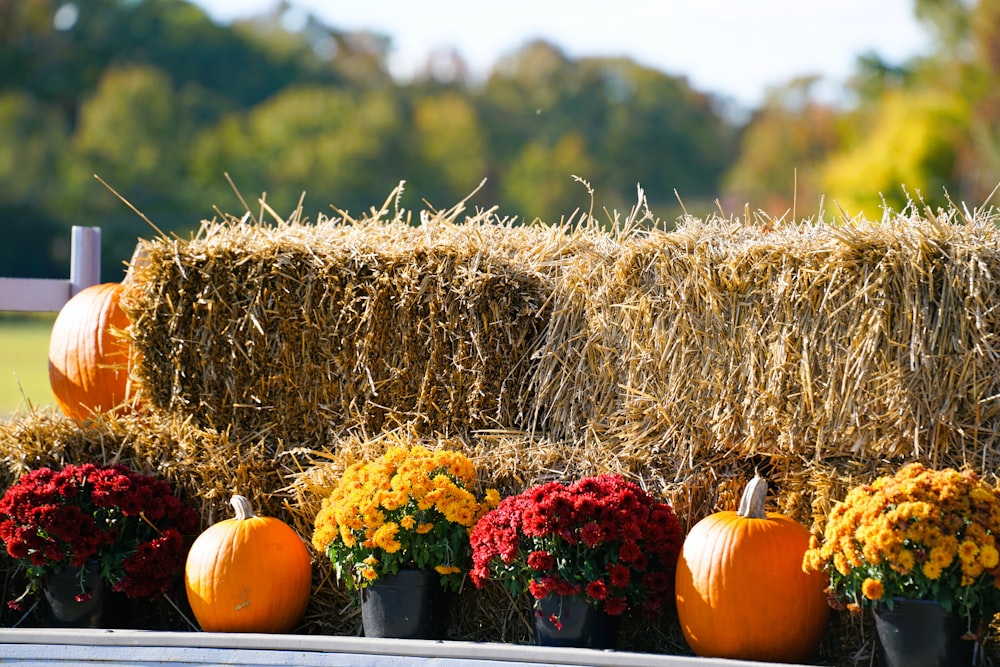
741	590
88	358
248	574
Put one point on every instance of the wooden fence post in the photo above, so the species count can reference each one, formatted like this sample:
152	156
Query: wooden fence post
85	261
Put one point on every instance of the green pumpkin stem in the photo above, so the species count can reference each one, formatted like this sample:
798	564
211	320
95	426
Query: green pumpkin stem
754	497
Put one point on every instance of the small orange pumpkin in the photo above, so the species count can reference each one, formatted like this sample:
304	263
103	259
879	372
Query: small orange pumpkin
88	359
741	590
248	574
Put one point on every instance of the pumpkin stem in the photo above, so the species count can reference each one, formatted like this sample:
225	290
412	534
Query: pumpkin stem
754	497
242	506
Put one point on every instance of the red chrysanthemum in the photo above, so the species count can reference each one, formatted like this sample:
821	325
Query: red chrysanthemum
601	538
131	523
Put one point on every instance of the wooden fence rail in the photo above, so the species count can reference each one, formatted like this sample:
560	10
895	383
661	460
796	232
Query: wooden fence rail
49	295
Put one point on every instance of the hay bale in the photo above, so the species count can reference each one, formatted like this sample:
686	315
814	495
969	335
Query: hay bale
301	331
870	340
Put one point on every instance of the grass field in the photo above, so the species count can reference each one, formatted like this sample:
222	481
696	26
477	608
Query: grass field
24	343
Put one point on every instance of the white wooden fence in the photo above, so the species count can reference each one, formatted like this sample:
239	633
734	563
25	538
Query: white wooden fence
44	294
144	648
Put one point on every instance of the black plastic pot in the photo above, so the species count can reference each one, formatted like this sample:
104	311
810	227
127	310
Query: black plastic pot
63	591
408	605
570	622
920	633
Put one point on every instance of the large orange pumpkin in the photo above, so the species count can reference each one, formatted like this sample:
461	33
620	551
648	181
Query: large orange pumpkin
741	590
248	574
88	358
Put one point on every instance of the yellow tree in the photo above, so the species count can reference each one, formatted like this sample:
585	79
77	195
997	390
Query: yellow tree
909	152
935	129
980	158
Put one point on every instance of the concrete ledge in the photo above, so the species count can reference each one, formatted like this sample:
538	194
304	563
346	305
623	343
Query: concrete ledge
137	647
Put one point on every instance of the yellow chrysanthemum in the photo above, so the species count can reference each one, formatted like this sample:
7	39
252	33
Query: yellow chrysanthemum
967	552
347	537
922	523
931	570
385	538
410	503
941	557
872	589
904	562
989	557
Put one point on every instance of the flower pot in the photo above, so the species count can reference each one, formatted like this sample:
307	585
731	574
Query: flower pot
920	633
571	622
407	605
75	598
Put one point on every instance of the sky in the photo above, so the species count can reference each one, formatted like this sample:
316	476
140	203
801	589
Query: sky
737	49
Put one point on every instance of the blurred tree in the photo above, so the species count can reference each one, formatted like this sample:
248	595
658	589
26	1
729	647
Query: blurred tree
32	155
539	184
781	153
338	146
133	133
980	155
132	130
518	99
59	50
35	245
658	132
449	147
160	102
317	52
950	22
929	126
873	76
444	67
35	142
637	125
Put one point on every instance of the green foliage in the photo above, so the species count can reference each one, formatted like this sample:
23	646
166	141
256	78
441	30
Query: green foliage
337	145
161	103
449	148
32	162
540	179
635	126
122	130
35	139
